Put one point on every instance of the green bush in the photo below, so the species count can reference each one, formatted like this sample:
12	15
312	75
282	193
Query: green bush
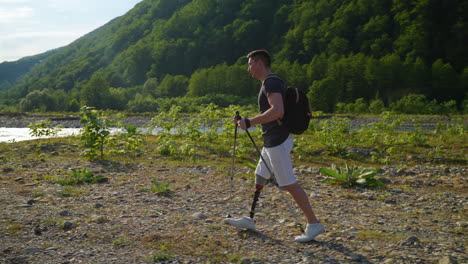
419	104
95	132
43	128
376	106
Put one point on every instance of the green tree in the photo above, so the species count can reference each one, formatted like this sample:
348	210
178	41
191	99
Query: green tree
172	86
323	95
37	101
95	92
444	83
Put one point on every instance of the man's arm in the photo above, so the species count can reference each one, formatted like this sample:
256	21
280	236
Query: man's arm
275	112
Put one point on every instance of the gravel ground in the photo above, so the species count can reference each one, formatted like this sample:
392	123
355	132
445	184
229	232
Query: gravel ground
421	217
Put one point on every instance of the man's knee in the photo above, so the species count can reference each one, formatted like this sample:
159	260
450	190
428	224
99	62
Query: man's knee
260	180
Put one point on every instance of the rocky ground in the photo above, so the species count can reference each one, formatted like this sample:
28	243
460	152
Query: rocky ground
421	217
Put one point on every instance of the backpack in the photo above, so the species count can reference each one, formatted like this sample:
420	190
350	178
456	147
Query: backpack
296	109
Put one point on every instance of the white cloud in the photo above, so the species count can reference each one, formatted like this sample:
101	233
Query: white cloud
14	1
31	43
10	15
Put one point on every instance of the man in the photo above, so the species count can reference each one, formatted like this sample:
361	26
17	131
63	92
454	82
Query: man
277	146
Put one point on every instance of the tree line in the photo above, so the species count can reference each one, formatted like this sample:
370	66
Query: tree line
189	52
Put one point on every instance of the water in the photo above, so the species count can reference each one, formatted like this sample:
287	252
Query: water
15	134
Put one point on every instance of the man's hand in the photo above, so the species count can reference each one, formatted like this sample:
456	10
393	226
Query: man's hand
242	124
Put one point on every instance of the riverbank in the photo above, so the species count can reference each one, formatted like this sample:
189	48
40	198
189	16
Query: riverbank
67	121
419	218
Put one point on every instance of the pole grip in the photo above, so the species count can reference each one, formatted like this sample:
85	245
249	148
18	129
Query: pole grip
238	117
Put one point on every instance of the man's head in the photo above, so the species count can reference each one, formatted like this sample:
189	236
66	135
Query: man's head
259	63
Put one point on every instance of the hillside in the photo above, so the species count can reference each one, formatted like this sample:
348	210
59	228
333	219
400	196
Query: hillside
171	48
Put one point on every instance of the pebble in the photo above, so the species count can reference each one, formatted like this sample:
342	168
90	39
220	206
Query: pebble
67	226
410	241
64	213
30	251
447	260
199	216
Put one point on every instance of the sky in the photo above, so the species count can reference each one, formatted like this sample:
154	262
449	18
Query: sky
31	27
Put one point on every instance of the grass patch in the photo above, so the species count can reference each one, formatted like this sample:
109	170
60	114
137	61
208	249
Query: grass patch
13	229
373	234
71	191
160	256
120	241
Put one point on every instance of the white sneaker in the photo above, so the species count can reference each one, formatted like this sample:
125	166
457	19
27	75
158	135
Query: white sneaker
312	231
244	222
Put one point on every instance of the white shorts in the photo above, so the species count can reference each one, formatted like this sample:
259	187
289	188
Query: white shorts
279	161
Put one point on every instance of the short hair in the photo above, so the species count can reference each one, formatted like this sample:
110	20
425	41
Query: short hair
262	55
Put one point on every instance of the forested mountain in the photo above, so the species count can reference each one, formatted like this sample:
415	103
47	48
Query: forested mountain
338	50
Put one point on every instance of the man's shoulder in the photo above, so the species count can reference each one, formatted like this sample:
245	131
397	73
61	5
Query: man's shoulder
272	78
273	84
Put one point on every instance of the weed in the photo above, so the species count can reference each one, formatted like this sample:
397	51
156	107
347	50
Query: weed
120	241
76	177
95	133
351	176
161	188
161	256
70	191
13	229
43	128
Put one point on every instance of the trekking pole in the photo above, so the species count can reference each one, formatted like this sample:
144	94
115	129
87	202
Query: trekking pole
258	188
233	158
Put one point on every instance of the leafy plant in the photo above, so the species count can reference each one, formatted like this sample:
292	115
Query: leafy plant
129	141
351	176
43	128
95	133
76	177
161	188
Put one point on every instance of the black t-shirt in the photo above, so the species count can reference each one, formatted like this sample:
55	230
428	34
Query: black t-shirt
273	133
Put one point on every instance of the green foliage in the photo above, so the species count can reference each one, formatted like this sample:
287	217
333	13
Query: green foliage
161	256
143	103
418	104
172	86
161	188
43	128
333	133
376	106
95	92
338	51
349	176
77	177
127	141
95	132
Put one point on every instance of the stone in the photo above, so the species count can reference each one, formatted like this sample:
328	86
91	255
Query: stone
355	257
67	226
64	213
20	180
199	216
410	241
10	170
447	260
30	251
